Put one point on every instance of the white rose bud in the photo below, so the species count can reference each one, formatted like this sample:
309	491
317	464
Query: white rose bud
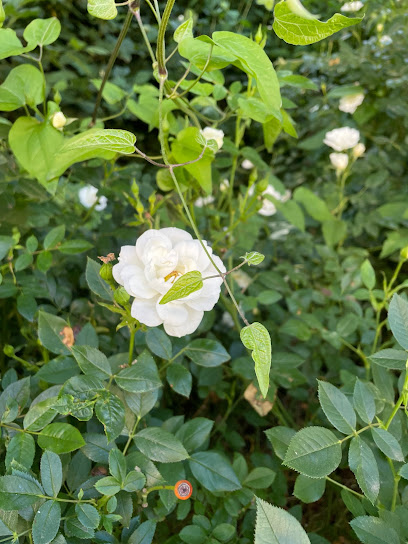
88	196
350	103
268	207
59	120
342	138
214	134
204	201
149	269
247	164
339	161
359	150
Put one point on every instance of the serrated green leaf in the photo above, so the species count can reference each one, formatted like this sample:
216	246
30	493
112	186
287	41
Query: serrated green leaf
298	30
21	448
368	274
253	258
362	462
213	471
308	489
276	526
393	359
60	438
337	408
144	533
314	451
207	352
256	338
398	319
92	362
364	402
17	492
50	332
88	515
95	283
371	530
160	445
54	237
51	473
159	343
111	413
108	486
388	444
141	376
184	286
46	522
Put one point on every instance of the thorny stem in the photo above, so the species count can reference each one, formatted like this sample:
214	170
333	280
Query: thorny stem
186	208
113	57
161	49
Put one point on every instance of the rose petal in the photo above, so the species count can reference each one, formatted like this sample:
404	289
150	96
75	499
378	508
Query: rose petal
188	327
127	255
149	239
135	282
172	313
144	310
176	235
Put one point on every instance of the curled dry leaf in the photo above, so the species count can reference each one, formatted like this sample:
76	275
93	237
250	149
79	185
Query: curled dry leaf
255	399
67	337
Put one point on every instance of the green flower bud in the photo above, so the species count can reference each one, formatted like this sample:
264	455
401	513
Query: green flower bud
121	296
8	350
261	186
106	272
404	253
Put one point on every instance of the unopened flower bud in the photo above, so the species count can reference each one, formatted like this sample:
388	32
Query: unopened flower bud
106	272
121	296
8	350
259	34
261	186
359	150
404	253
59	120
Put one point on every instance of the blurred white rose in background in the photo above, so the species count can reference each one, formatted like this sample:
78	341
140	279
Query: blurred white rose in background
342	138
210	133
350	103
88	196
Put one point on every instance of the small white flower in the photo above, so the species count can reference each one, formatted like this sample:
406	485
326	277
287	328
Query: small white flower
339	161
224	185
148	270
180	18
359	150
88	196
247	164
210	133
59	120
352	6
268	207
204	201
350	103
385	40
342	138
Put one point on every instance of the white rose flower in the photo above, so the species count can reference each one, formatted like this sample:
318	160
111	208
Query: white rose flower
59	120
342	138
339	161
247	164
350	103
385	40
359	150
268	207
352	6
204	201
214	134
88	196
149	269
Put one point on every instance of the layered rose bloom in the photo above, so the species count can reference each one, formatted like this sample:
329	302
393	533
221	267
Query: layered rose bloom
216	134
350	103
339	161
342	138
149	269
